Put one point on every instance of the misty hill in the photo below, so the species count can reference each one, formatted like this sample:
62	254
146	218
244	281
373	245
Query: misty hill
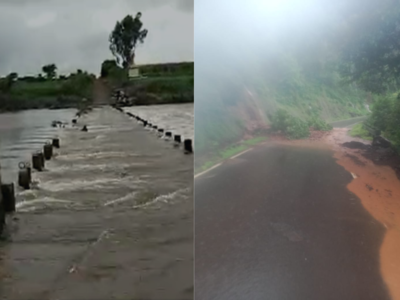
288	57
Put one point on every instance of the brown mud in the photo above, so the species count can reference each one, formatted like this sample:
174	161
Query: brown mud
377	184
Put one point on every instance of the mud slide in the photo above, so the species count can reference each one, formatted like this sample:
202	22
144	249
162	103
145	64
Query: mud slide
378	188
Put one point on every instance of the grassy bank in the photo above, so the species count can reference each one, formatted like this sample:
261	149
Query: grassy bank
204	162
164	83
38	92
359	131
161	89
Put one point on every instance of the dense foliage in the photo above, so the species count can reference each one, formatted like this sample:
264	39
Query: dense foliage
385	118
292	127
372	58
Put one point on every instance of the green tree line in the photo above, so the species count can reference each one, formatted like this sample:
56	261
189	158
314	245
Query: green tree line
45	90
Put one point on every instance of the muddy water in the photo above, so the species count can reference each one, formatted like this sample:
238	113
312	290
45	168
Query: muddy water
23	133
115	203
178	118
26	132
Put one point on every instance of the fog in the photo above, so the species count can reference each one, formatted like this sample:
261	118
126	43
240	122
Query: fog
253	44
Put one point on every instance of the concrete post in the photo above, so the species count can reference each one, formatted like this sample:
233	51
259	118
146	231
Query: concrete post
8	194
56	143
187	146
48	151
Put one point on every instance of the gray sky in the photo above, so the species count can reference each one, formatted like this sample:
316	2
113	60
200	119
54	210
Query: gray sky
74	34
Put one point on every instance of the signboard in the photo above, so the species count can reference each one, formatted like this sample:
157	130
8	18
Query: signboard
133	72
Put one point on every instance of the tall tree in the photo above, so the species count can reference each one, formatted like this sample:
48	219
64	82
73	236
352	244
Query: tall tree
50	71
127	34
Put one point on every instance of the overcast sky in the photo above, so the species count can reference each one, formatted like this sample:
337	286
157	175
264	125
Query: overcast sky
74	34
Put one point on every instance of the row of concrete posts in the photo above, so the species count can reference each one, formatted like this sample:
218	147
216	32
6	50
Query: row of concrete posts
187	143
7	196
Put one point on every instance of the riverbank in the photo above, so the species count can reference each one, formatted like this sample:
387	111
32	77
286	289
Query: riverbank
39	92
112	216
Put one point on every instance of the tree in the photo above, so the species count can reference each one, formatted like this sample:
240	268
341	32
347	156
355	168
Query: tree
12	76
373	57
125	37
7	82
50	71
107	67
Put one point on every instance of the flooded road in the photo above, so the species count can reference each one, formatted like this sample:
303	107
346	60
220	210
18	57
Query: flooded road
178	118
25	132
111	218
285	226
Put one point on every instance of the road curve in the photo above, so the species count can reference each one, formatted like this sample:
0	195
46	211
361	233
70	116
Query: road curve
278	223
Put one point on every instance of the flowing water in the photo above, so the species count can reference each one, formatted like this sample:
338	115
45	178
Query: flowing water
23	133
105	197
26	132
178	118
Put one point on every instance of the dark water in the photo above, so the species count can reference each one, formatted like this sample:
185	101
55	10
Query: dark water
23	133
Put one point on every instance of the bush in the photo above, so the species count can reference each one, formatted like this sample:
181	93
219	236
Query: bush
297	129
280	120
358	130
385	118
381	113
292	127
318	124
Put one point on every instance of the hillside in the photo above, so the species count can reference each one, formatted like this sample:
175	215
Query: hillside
292	59
232	110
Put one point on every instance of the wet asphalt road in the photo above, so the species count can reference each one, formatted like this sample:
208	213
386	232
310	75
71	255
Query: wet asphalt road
278	223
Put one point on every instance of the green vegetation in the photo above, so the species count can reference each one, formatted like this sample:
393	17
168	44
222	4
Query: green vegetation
17	93
231	151
358	130
168	69
50	71
160	83
316	69
205	162
385	118
295	128
372	60
255	140
317	123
